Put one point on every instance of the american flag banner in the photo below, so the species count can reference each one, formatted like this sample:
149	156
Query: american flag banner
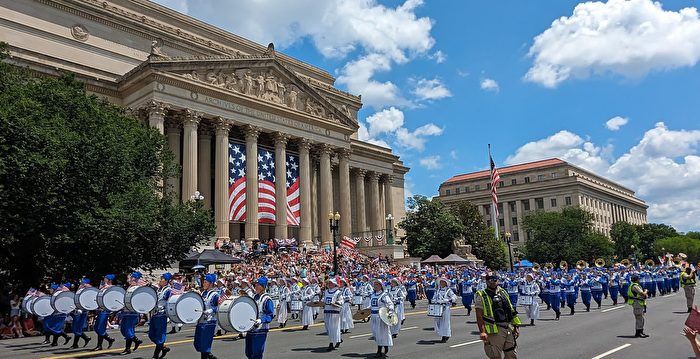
266	186
495	180
176	288
293	198
348	242
236	181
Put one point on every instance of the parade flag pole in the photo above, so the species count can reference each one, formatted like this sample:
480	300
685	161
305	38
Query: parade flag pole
495	179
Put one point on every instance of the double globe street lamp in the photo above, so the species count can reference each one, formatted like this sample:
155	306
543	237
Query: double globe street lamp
334	218
390	229
510	250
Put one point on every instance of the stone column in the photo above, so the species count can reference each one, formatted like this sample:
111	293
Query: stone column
326	193
360	210
156	115
389	202
281	185
190	120
344	193
375	213
251	185
314	195
221	169
204	165
305	191
174	138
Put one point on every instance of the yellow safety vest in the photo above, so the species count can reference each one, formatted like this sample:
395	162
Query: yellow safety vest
489	320
687	280
633	296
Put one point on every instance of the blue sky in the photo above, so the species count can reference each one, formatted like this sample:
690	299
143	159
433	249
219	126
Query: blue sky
442	79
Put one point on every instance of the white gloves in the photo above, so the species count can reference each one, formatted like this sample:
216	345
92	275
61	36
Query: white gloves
257	323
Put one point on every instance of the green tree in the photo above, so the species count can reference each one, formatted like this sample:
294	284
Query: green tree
680	244
694	235
483	240
430	227
79	184
626	240
649	233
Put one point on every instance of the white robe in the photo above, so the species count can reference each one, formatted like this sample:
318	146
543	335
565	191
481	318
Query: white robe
398	296
366	292
307	315
446	297
331	314
346	321
317	296
381	331
532	310
284	299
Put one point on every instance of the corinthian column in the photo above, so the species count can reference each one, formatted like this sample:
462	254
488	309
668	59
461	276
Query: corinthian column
204	165
251	185
190	120
281	185
305	191
389	199
326	192
221	184
375	213
344	193
156	115
174	144
360	210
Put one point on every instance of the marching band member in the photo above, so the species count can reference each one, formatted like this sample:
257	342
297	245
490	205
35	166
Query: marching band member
411	290
306	295
102	317
333	300
158	324
365	291
530	291
129	320
429	288
55	322
204	332
624	285
554	298
273	290
512	289
256	338
79	320
346	322
614	286
285	296
445	297
585	285
466	290
380	330
295	294
494	316
660	282
397	292
569	284
597	288
317	295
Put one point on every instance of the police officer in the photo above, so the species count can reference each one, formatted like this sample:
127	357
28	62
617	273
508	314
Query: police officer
636	297
494	316
688	284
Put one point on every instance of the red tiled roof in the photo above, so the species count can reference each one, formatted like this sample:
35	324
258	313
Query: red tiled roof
504	170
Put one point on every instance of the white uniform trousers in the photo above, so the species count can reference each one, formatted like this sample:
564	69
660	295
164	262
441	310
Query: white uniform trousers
381	332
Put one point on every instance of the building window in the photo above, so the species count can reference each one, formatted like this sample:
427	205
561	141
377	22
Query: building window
500	184
527	179
488	186
447	192
487	209
567	201
466	189
513	207
526	204
554	202
514	221
539	203
457	190
477	187
513	182
501	223
516	237
555	175
540	177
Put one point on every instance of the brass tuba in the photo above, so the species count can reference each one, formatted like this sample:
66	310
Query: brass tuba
649	262
548	266
625	262
535	266
600	262
677	262
580	264
563	265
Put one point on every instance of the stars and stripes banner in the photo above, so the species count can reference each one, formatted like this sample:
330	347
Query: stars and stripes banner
348	242
176	288
368	239
379	238
236	181
495	180
266	186
293	198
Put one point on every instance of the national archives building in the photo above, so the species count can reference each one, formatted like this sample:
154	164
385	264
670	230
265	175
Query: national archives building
267	140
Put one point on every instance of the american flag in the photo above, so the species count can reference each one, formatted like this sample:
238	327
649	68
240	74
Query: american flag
495	180
348	242
293	198
266	186
236	181
176	288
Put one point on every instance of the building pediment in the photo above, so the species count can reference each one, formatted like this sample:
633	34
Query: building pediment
261	77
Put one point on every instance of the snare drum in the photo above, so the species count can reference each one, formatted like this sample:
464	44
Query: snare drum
63	302
237	314
435	310
185	308
357	300
296	305
86	298
41	306
525	300
141	299
111	298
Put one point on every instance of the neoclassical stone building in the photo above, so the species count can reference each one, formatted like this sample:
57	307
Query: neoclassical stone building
212	92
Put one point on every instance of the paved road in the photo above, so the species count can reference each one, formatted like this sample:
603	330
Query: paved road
585	335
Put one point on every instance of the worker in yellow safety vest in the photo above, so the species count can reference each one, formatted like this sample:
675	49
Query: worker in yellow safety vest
498	321
688	284
636	297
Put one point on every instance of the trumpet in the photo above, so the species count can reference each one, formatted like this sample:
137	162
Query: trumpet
625	262
563	265
535	266
580	264
599	263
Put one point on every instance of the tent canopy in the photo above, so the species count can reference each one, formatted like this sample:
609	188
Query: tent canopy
208	257
454	259
432	259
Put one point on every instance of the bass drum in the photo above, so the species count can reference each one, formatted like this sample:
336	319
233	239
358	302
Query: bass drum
185	308
237	314
111	298
41	306
86	298
63	302
140	299
26	302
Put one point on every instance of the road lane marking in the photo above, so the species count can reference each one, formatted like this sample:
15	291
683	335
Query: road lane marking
409	328
613	308
467	343
360	335
612	351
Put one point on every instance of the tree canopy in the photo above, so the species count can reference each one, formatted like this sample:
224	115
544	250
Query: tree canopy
430	227
79	186
483	240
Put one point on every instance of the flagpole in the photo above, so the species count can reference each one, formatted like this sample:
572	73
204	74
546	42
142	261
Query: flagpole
494	219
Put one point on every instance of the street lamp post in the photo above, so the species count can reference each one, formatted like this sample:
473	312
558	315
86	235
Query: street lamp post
510	250
632	256
334	219
196	196
390	229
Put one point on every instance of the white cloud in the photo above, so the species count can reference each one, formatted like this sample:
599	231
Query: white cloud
389	125
663	168
438	56
177	5
489	85
385	121
416	140
431	162
461	73
453	154
430	90
622	37
616	122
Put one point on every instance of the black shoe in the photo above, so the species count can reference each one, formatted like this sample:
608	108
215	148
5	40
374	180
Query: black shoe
66	338
443	340
558	315
75	342
394	336
125	352
45	342
86	339
218	333
163	352
315	316
337	345
172	331
643	335
110	341
403	320
690	309
137	342
97	348
330	347
532	322
306	327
